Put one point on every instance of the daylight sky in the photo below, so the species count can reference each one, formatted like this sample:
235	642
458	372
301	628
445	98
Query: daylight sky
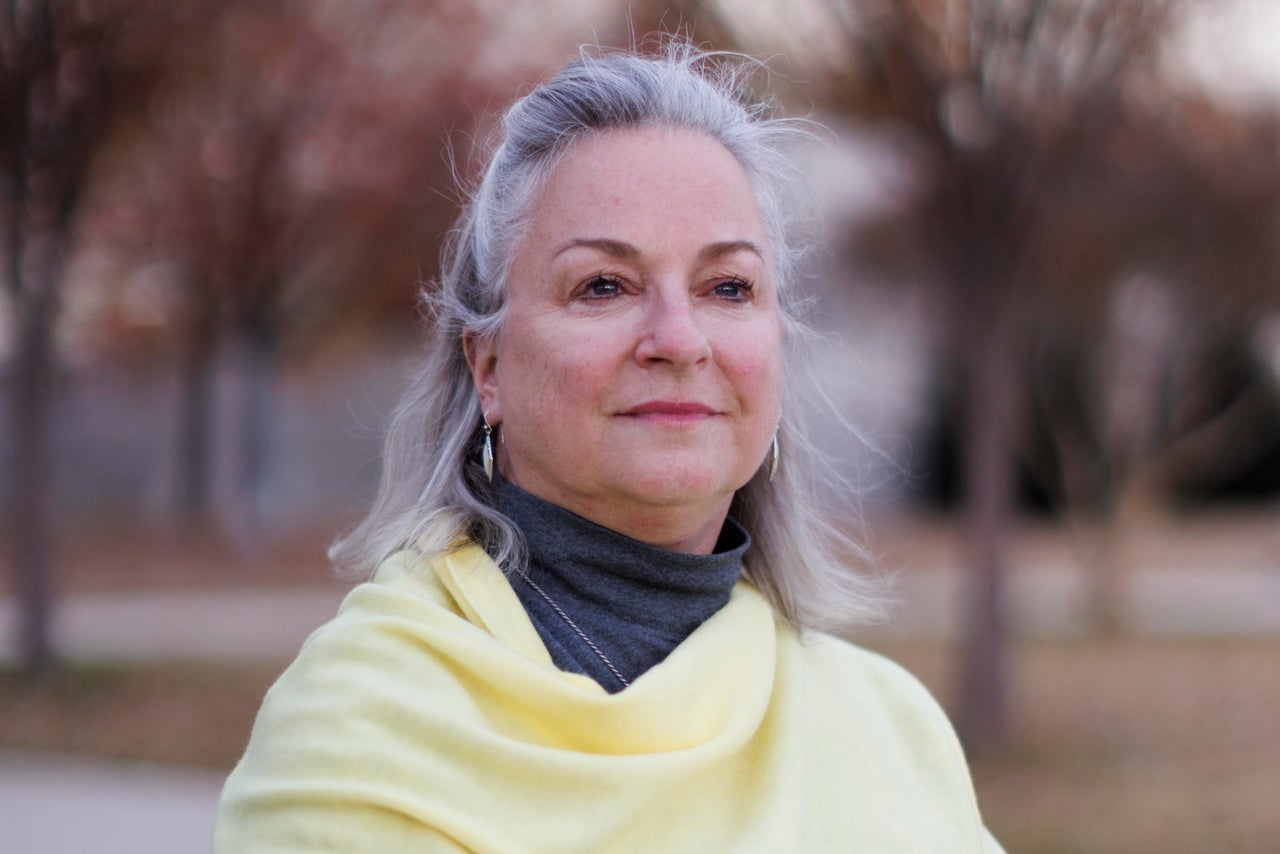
1233	47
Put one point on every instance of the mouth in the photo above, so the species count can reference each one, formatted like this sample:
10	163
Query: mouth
671	411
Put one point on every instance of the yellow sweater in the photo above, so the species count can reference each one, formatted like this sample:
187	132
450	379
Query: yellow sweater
428	716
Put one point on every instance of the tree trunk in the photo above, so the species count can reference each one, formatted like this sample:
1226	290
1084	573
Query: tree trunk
1096	533
983	707
1105	573
1133	503
195	411
255	359
31	516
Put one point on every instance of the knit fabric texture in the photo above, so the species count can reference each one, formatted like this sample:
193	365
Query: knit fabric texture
634	601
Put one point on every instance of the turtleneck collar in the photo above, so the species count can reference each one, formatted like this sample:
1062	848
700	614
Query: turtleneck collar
635	601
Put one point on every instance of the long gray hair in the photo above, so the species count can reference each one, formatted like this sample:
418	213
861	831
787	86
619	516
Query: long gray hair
433	490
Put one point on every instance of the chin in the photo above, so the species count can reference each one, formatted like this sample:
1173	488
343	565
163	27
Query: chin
674	485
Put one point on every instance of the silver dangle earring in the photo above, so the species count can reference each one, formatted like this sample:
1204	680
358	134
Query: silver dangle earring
773	457
486	454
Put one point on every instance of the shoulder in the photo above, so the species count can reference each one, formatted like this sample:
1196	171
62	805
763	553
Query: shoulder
352	724
877	701
863	675
868	712
418	623
378	653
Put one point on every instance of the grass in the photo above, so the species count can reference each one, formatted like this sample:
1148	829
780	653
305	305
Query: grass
1121	746
190	714
1132	746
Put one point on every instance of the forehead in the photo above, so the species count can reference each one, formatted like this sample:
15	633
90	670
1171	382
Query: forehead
655	187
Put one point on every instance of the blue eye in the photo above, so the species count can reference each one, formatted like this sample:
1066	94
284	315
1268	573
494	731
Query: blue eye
735	290
602	287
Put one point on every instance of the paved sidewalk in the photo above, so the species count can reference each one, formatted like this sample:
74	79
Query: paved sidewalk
1051	602
51	804
219	624
270	623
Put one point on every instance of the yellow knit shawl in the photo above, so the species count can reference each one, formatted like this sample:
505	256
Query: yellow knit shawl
428	716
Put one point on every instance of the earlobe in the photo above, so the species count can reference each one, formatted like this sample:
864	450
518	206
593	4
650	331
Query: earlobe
482	360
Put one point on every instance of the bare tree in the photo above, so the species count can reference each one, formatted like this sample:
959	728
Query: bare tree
989	100
1154	269
285	182
61	83
999	98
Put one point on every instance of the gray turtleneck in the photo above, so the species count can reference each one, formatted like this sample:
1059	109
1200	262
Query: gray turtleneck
634	601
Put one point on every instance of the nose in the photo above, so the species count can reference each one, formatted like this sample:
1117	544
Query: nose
672	332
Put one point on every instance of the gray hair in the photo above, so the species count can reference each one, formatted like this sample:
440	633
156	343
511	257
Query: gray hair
433	490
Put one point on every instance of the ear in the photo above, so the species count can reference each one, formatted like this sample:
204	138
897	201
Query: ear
482	360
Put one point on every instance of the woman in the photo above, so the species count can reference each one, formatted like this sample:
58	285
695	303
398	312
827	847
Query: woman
599	570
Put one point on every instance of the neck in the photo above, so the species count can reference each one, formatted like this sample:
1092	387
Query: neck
675	529
606	604
685	527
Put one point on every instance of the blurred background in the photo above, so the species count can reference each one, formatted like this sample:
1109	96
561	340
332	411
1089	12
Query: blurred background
1047	279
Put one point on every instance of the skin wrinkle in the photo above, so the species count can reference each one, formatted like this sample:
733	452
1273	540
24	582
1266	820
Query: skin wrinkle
799	561
623	250
670	217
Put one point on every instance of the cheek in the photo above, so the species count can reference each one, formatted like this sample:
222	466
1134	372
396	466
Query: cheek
759	376
549	379
771	394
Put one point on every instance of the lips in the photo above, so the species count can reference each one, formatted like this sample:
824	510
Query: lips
671	411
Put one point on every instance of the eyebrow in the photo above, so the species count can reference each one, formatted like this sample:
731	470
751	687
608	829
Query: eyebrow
616	248
622	249
727	247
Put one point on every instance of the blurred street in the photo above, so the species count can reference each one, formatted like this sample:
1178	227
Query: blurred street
53	804
268	624
50	804
229	625
1047	358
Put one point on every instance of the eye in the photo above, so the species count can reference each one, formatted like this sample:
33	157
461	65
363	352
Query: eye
733	290
601	287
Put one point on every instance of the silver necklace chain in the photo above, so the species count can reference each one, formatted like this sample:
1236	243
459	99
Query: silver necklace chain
580	633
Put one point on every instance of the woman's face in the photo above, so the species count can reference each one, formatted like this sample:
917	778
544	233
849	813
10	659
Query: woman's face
638	373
